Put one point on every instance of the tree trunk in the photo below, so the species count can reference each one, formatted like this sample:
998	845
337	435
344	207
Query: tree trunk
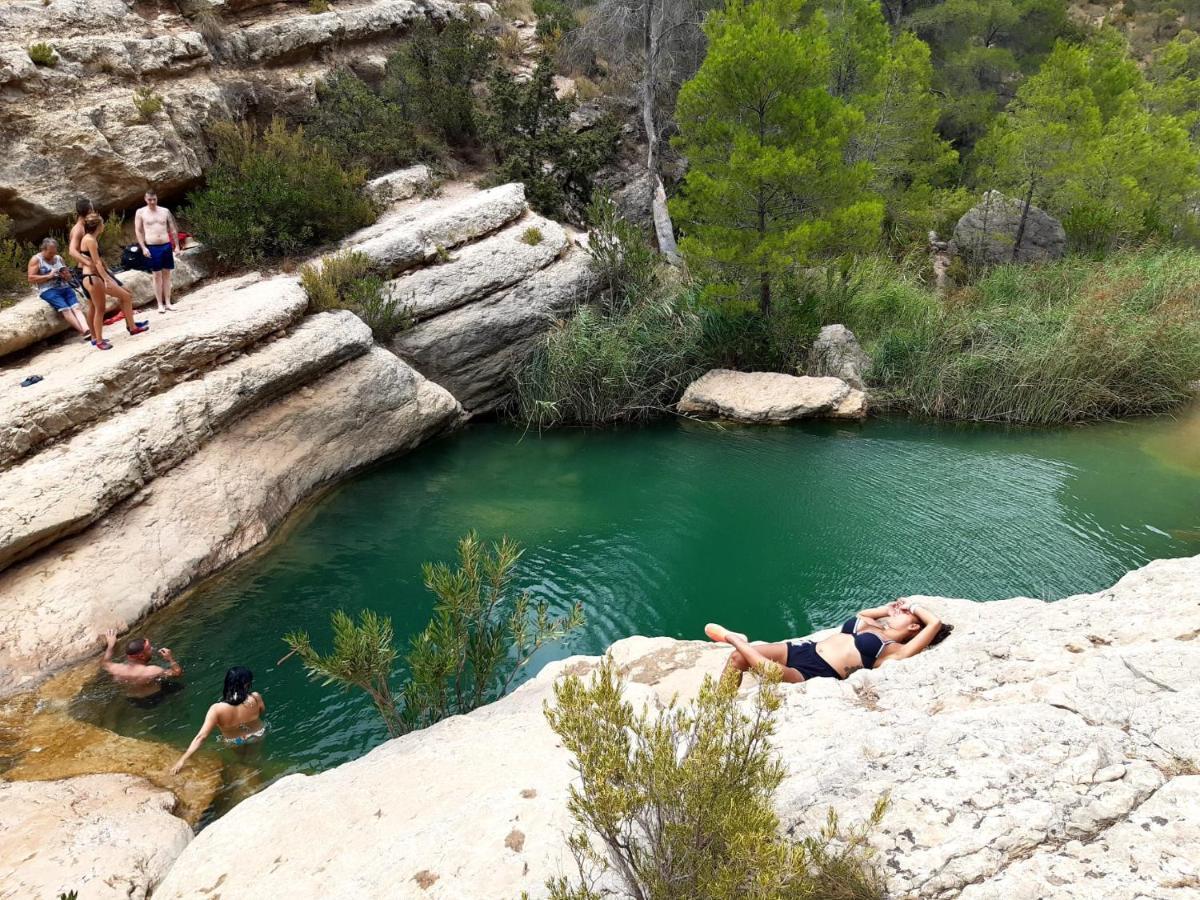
1024	219
664	230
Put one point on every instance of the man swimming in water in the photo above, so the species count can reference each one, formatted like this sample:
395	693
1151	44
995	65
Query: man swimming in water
144	681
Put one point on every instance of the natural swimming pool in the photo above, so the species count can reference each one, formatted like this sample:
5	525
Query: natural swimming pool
658	530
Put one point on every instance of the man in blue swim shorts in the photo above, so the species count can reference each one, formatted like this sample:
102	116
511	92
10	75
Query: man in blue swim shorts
48	271
158	236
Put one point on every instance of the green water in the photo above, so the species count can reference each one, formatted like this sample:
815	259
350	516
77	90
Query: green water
775	531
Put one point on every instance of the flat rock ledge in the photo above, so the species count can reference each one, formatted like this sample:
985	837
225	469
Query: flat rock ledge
771	397
104	836
1047	750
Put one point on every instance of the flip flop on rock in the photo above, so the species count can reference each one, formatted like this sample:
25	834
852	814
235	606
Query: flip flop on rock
720	633
102	345
141	326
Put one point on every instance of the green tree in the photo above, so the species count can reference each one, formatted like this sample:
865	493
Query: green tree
527	127
431	76
768	187
680	804
1082	140
1174	74
14	257
358	127
479	638
275	194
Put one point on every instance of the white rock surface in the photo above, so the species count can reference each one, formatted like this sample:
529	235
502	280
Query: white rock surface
399	185
109	837
211	509
770	397
480	269
81	384
1046	750
475	350
69	486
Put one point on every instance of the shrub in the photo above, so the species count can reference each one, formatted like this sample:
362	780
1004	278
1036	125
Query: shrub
345	281
598	369
273	194
531	236
430	77
316	7
112	239
14	257
208	22
510	46
147	103
479	638
554	17
528	131
43	55
680	803
626	267
358	127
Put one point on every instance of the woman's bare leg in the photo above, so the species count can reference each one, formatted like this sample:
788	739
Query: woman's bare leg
124	297
94	287
746	656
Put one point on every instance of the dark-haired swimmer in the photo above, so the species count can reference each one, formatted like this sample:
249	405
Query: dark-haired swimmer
873	637
144	681
238	715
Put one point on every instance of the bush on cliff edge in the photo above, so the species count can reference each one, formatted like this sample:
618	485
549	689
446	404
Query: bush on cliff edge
274	194
681	803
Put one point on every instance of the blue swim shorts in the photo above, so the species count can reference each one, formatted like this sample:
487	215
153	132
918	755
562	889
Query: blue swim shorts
60	297
161	257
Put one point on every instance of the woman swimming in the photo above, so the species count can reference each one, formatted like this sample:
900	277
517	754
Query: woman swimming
238	715
873	637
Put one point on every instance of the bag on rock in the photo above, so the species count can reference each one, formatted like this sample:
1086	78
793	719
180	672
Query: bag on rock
132	259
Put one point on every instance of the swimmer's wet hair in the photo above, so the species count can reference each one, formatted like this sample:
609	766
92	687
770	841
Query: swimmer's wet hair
135	647
943	633
238	681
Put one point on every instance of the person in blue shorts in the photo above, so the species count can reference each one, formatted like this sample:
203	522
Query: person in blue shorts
158	236
48	271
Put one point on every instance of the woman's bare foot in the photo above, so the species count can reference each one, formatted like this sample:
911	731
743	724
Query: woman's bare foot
720	633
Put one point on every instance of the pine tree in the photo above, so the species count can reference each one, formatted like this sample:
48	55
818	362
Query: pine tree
769	187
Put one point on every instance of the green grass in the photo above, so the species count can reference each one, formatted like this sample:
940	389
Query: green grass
1038	345
345	281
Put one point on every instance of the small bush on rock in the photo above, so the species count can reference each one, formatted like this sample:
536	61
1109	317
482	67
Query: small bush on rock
680	803
531	236
42	54
479	638
430	77
274	194
527	128
316	7
345	281
358	127
147	103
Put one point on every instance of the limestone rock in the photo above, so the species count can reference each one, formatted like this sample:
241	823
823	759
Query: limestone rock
410	237
474	351
988	231
211	509
476	271
836	353
66	488
109	837
1042	751
81	384
769	397
31	320
399	185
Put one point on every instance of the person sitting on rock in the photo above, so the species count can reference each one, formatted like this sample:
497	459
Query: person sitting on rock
873	637
112	287
238	715
48	271
146	683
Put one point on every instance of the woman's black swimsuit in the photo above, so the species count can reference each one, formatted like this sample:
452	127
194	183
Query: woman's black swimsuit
803	656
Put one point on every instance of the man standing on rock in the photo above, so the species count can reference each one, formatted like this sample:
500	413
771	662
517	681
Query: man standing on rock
158	236
142	679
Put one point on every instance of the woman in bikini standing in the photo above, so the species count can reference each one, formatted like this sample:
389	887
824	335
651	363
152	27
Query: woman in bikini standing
94	276
112	287
238	715
875	636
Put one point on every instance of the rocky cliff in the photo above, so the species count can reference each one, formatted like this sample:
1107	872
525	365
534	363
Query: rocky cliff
73	126
1045	750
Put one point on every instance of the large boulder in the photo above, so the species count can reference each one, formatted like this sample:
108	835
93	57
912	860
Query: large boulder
988	232
836	354
107	837
771	397
1046	750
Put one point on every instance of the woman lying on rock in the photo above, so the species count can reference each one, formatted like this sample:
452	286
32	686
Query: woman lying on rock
873	637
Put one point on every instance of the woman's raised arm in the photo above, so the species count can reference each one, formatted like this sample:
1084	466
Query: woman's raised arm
930	626
210	722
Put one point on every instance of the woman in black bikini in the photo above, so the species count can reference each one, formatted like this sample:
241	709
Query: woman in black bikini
94	274
873	637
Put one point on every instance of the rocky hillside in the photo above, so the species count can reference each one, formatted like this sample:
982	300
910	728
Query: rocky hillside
73	125
1047	750
162	460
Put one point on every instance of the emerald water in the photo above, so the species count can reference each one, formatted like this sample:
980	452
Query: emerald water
658	530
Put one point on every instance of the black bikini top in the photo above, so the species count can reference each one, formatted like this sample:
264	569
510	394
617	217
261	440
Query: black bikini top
868	644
